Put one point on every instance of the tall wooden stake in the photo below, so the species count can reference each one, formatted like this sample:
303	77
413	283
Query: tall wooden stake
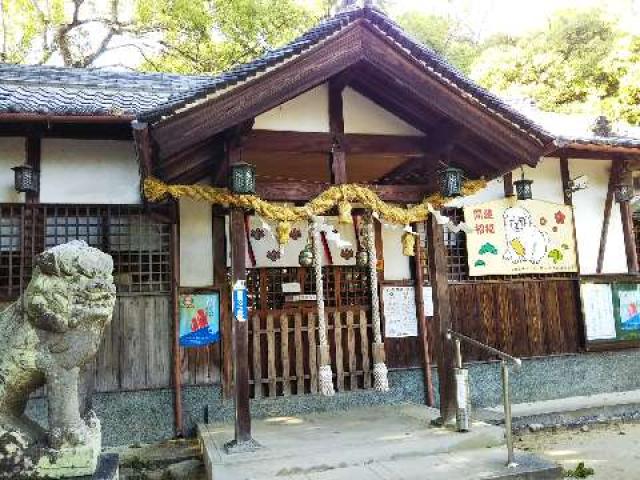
442	311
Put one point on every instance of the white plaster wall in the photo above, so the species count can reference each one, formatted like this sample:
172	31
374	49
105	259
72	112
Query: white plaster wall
196	244
361	115
589	215
396	265
89	171
308	112
12	154
547	180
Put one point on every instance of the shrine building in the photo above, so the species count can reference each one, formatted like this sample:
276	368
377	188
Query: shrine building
338	205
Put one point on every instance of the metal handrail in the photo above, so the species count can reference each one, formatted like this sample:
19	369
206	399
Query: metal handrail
505	358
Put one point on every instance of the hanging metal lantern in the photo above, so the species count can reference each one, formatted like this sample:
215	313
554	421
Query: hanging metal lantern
623	192
243	178
362	257
305	259
450	179
26	179
523	189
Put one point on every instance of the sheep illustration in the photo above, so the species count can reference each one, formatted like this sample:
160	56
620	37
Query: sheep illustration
525	242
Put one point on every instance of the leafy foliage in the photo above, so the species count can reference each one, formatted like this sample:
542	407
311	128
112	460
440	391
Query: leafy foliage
208	36
444	35
581	62
580	472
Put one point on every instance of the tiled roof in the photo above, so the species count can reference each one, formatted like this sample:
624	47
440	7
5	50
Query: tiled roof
150	97
74	91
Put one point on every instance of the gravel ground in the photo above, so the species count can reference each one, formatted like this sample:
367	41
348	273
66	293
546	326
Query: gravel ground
612	450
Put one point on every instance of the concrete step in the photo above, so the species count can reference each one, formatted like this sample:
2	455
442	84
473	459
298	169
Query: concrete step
475	464
354	444
568	411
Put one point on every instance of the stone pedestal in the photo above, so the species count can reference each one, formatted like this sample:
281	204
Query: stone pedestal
72	461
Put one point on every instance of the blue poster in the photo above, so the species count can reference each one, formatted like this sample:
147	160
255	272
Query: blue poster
199	319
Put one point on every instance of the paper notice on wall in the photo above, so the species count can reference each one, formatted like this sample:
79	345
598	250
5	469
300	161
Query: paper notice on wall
400	310
597	304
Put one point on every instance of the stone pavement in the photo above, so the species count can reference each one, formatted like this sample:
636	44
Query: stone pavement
391	442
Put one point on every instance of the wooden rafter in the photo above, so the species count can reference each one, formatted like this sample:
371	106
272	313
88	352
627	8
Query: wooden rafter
356	45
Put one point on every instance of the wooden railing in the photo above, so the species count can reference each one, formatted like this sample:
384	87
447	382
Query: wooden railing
283	346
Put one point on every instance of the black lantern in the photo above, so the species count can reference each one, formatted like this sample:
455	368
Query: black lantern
523	187
26	179
623	192
450	179
243	178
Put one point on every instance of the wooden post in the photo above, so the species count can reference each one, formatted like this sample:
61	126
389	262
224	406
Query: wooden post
175	284
33	149
442	311
242	440
627	225
422	323
507	180
614	176
221	282
336	127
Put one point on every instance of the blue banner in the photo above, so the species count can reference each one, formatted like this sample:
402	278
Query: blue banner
199	319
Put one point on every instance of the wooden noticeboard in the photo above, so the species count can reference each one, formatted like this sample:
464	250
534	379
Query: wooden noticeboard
611	312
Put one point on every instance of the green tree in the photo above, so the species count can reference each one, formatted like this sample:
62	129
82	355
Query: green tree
446	36
581	62
211	36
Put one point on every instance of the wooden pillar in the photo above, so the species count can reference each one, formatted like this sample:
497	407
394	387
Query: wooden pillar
221	282
242	439
507	180
175	313
626	216
33	149
614	176
423	331
337	160
442	312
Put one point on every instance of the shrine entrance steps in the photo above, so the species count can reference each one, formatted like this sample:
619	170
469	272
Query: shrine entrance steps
388	442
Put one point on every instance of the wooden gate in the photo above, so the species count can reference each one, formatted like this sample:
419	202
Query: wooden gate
283	338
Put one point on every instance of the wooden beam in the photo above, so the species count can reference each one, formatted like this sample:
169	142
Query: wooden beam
602	152
439	140
337	157
507	183
33	149
175	313
626	215
404	71
423	330
304	191
261	94
566	180
438	269
273	141
144	152
614	175
218	229
240	326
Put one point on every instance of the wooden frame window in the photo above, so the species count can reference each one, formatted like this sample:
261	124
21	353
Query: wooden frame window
138	243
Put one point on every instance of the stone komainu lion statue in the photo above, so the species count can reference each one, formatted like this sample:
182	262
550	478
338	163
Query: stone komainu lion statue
46	337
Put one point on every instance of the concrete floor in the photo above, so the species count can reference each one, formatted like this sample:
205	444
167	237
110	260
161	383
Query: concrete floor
391	442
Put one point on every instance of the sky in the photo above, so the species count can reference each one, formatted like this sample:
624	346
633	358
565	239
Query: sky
487	17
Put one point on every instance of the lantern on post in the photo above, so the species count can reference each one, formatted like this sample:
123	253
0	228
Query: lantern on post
27	179
450	180
243	178
523	187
